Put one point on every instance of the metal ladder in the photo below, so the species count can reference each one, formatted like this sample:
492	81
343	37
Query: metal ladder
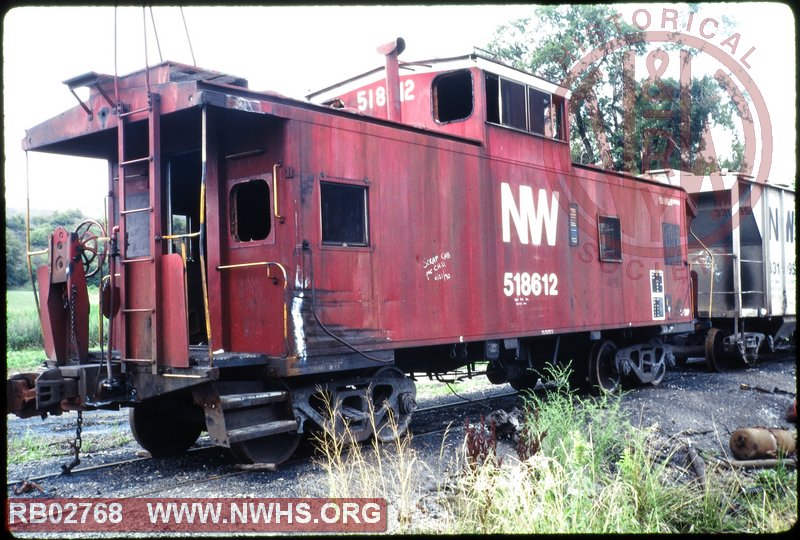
140	274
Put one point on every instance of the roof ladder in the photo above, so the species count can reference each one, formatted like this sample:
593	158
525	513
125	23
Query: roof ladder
140	230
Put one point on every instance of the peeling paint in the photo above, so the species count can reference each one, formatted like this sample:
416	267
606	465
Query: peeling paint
300	281
297	323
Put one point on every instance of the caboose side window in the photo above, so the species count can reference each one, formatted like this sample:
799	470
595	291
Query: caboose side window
343	214
610	238
557	111
523	107
512	104
671	234
452	96
539	107
250	212
492	98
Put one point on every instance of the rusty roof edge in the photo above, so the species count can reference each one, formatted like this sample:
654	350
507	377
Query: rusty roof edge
210	87
477	55
383	68
627	176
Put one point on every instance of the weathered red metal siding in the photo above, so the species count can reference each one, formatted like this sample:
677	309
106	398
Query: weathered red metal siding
432	197
417	104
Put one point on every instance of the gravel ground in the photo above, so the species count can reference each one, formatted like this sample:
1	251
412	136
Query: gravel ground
708	407
689	403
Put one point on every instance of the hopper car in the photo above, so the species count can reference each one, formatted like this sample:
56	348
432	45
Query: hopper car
743	263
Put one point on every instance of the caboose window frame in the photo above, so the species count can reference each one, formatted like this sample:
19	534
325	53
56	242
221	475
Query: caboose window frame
671	239
244	225
609	238
541	112
344	214
449	95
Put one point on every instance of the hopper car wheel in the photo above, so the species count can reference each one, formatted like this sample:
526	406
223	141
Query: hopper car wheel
163	431
272	449
603	374
716	357
93	245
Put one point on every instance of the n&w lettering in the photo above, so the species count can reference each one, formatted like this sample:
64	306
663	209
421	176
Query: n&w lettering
528	217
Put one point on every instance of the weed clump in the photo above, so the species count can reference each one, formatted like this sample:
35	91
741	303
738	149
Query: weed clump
389	470
582	467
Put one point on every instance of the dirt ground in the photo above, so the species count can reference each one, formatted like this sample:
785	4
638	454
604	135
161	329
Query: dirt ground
692	403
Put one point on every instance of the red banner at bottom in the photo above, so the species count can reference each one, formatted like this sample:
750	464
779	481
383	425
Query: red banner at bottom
196	515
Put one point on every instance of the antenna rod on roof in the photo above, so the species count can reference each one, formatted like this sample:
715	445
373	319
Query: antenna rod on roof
392	50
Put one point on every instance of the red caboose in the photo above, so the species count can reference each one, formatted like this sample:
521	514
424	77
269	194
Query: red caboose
267	256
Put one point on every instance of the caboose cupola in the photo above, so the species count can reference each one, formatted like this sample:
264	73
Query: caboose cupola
468	96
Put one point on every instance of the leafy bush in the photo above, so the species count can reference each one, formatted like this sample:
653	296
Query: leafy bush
41	227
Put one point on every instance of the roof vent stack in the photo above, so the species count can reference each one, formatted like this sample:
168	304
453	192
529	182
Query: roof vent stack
392	50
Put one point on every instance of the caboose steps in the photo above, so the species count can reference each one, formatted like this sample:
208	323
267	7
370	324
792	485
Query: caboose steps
236	401
261	430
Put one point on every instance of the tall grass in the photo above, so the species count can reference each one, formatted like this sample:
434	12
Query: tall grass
22	321
24	345
392	471
590	471
596	473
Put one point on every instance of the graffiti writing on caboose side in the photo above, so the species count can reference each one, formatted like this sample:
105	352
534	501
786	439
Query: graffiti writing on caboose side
436	268
530	219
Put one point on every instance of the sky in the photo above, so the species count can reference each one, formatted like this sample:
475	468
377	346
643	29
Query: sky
294	51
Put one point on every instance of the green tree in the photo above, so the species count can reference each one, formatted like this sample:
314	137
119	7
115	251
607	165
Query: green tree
16	269
42	227
618	119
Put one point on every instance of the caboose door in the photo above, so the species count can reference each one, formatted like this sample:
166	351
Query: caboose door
252	270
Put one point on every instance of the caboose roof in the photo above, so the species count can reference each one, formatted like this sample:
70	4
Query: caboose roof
478	59
693	183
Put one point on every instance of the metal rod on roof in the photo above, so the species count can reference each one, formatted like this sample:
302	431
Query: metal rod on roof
155	31
146	64
186	28
29	253
116	78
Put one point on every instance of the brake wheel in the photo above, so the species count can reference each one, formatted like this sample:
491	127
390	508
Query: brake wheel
93	245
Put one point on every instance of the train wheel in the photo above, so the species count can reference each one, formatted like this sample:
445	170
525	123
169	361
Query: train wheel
662	370
272	449
603	374
716	357
393	400
165	429
521	378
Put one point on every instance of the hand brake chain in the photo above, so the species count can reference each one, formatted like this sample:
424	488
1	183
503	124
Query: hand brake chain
76	447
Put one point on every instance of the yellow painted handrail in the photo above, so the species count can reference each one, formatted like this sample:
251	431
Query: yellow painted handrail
278	215
285	283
